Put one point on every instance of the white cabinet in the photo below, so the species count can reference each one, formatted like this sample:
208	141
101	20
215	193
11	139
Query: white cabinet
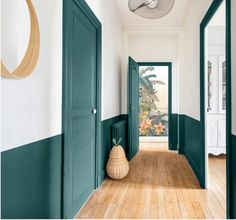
222	133
212	131
216	105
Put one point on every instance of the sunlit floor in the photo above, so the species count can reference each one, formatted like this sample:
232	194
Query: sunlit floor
160	184
217	177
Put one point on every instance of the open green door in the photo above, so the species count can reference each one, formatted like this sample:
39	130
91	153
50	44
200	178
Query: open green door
133	108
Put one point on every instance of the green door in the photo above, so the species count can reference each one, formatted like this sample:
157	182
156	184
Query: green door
79	103
133	109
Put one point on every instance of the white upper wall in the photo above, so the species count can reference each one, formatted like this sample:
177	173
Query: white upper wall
182	65
152	48
151	40
191	74
233	58
112	28
31	107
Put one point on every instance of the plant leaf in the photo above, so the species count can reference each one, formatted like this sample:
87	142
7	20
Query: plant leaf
114	141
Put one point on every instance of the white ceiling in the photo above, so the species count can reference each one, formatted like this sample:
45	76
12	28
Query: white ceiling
174	19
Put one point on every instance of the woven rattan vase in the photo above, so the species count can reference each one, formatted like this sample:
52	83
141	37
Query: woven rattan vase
117	165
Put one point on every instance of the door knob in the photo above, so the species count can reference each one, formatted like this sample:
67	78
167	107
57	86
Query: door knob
94	111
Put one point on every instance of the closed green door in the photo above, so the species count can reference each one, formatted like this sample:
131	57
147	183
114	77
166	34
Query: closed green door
133	109
79	105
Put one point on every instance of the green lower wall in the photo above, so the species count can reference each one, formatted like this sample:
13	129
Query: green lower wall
189	145
173	134
233	177
184	137
181	134
31	180
192	147
31	174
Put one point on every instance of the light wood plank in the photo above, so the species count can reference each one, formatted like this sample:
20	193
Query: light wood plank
160	184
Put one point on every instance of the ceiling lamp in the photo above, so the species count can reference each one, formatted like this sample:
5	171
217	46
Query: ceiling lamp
151	9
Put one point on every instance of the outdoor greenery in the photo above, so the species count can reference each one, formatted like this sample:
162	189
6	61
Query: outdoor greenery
150	124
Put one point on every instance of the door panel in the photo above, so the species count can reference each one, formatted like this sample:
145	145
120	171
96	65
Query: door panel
133	105
79	99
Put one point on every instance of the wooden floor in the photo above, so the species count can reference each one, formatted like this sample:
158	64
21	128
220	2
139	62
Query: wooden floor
160	184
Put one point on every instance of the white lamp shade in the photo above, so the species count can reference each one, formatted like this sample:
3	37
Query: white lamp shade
151	9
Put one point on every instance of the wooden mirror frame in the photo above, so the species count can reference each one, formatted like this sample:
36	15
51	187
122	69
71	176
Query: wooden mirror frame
27	65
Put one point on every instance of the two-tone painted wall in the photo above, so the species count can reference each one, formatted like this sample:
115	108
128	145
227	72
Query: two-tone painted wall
31	114
31	107
189	126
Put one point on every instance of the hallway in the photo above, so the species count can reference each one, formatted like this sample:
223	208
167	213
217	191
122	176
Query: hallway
160	184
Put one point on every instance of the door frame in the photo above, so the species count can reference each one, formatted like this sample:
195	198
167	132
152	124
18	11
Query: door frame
169	65
210	13
94	20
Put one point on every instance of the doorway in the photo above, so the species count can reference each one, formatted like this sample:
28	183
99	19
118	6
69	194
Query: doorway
81	104
145	117
215	102
155	102
215	89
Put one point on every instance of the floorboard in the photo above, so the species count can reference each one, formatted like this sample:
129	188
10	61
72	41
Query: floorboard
160	184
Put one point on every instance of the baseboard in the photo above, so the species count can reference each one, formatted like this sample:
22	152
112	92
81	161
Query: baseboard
194	167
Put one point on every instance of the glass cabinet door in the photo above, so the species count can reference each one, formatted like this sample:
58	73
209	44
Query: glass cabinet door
212	80
222	84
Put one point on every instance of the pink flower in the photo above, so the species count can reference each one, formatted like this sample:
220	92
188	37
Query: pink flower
159	129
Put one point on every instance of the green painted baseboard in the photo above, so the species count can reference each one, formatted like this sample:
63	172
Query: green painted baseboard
31	180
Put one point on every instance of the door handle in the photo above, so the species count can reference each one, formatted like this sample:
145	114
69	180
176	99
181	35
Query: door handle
94	111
